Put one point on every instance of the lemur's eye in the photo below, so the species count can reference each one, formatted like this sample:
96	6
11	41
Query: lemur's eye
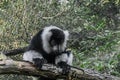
53	43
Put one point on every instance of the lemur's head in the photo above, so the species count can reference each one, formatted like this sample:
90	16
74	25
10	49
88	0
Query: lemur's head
54	39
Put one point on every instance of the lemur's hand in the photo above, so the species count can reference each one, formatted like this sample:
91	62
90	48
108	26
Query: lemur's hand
65	67
39	62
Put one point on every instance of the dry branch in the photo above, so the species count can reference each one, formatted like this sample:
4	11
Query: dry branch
51	71
25	68
57	15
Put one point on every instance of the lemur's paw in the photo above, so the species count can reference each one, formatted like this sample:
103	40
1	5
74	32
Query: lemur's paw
65	68
39	62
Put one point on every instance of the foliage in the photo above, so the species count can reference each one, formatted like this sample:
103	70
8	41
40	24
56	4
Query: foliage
93	24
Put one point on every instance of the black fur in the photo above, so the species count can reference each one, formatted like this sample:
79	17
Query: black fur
36	43
58	36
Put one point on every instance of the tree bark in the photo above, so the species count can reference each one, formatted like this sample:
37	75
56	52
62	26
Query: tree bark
51	71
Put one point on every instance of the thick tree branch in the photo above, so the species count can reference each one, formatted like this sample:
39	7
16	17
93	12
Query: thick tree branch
51	71
25	68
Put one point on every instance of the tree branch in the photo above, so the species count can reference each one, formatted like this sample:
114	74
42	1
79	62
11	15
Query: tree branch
51	71
57	15
25	68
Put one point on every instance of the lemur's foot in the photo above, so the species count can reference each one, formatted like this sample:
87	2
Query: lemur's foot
39	62
65	68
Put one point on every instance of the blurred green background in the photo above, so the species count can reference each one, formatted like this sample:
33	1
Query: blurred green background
94	27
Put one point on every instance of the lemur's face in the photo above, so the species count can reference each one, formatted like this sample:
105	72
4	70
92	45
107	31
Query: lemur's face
57	41
54	39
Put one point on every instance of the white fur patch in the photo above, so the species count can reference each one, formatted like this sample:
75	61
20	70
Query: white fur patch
70	59
29	55
55	48
66	35
62	57
65	58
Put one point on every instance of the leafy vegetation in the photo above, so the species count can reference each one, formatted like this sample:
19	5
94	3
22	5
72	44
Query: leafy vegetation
94	26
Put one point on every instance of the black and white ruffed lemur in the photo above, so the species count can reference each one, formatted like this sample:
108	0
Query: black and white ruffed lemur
49	45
